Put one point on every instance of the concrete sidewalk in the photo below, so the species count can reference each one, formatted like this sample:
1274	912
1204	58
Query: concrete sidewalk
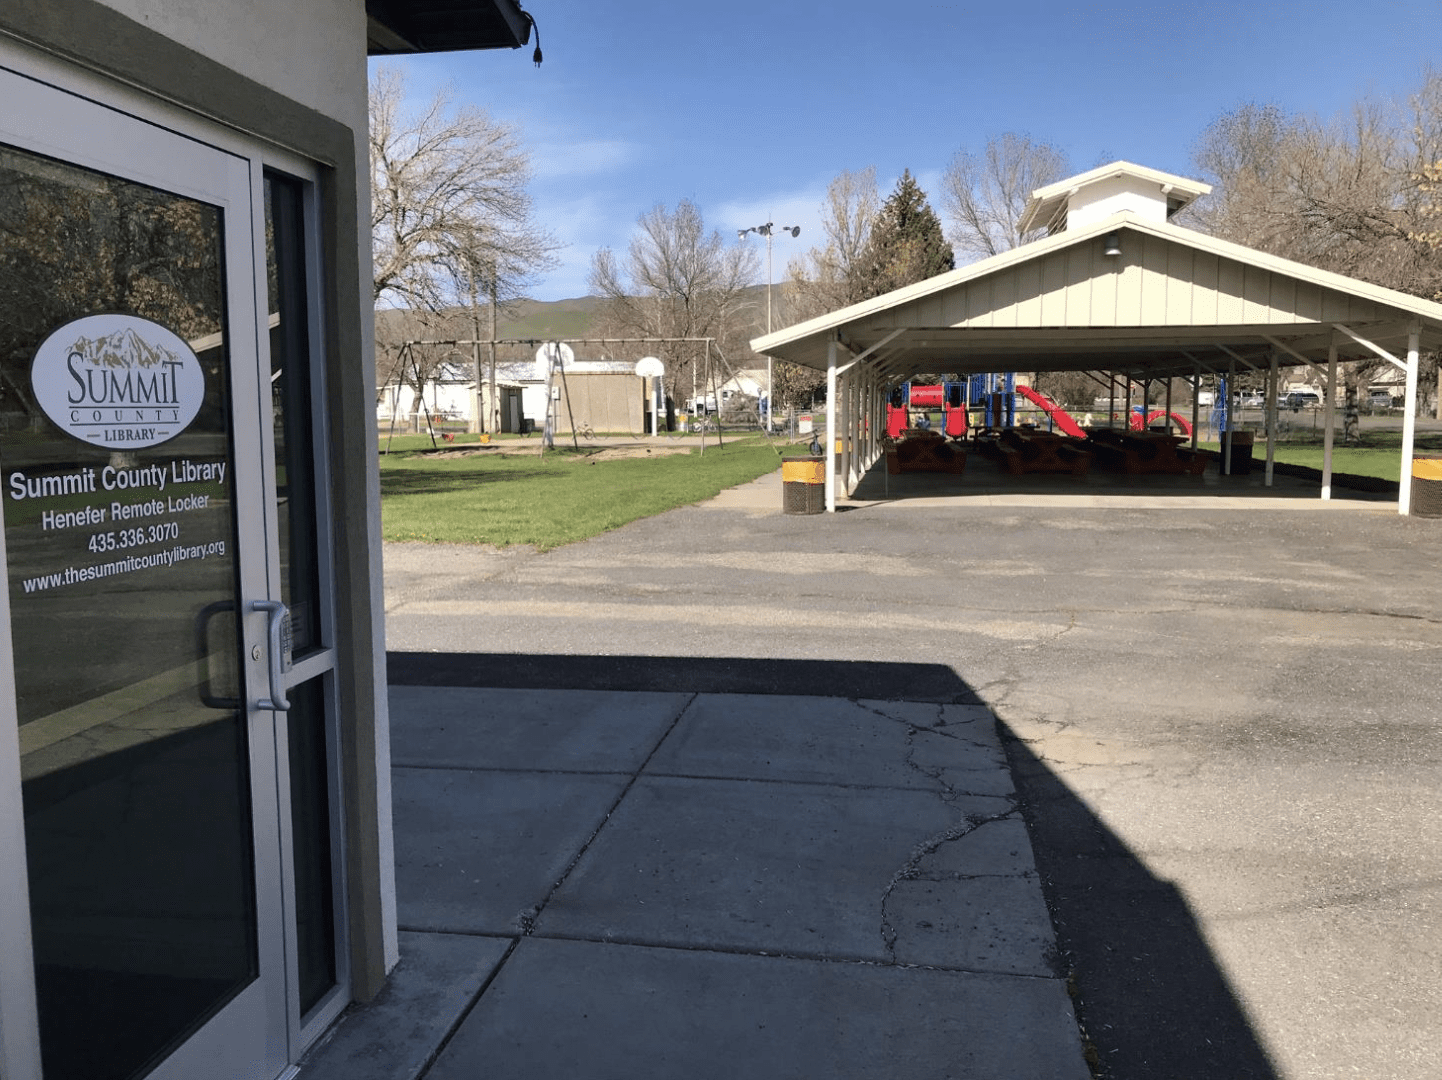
673	884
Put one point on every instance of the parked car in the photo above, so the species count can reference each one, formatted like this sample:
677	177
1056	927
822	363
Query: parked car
1303	399
1379	399
1252	399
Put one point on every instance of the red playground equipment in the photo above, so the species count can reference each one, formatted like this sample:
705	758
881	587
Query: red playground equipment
947	397
1064	420
950	399
1138	424
1060	416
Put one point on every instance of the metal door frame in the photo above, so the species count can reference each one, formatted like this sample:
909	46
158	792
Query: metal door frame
92	122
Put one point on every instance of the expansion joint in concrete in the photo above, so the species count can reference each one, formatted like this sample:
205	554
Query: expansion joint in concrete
526	920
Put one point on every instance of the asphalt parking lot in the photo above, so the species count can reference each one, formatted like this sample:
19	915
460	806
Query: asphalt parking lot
1223	723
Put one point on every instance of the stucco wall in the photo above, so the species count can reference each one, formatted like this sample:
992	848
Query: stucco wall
312	51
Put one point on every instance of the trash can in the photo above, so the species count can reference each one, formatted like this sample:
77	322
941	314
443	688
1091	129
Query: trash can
803	485
1427	485
1241	452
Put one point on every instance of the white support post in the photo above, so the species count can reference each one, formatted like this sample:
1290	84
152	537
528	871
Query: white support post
868	428
1271	418
848	445
830	454
877	418
1329	421
858	457
1409	420
853	430
868	425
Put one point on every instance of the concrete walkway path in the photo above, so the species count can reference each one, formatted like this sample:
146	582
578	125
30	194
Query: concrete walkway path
657	885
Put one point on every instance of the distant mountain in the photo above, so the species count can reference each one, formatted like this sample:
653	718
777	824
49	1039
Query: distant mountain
547	320
551	320
542	320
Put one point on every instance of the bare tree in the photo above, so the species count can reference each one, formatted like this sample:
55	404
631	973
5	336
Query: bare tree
1341	195
451	220
1347	195
830	276
676	281
984	194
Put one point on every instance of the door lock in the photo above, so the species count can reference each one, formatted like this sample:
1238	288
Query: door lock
275	626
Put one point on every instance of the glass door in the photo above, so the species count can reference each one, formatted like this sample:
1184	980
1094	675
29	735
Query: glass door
147	640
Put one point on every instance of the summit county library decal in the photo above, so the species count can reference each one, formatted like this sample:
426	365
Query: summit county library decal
118	380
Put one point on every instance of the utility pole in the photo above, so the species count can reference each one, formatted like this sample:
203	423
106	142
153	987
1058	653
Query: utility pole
765	230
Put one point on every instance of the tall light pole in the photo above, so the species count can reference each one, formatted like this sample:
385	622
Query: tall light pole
765	230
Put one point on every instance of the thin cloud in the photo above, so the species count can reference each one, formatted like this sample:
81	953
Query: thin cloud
567	160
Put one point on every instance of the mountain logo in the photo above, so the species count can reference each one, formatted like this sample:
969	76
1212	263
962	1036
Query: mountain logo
118	381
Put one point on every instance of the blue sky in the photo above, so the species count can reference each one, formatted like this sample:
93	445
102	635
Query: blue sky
750	108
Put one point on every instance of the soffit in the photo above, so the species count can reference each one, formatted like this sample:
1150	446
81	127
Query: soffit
426	26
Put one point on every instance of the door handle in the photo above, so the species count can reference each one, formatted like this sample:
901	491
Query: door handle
276	615
202	633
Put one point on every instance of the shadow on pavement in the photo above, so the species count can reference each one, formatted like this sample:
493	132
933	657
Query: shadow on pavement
1148	993
1146	989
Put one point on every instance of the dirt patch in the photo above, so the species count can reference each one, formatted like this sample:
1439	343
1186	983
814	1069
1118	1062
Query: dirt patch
613	453
588	454
470	451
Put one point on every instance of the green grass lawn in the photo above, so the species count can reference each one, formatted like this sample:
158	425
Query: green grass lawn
503	499
1378	454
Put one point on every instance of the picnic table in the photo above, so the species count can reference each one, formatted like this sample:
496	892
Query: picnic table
1140	453
923	450
1025	451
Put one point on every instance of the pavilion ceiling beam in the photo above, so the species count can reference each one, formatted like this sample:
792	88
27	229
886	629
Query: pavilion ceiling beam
1283	347
1360	340
857	358
1201	363
1238	357
895	361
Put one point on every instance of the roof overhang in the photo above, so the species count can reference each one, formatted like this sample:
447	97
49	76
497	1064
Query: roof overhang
427	26
1173	302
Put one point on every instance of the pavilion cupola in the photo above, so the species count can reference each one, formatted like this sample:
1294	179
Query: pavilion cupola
1111	189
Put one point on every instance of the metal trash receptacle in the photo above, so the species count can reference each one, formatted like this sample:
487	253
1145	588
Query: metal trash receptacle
803	485
1427	485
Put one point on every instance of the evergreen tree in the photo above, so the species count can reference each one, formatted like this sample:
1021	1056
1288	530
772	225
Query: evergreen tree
907	243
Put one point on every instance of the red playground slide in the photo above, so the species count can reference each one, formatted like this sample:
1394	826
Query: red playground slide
1061	417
